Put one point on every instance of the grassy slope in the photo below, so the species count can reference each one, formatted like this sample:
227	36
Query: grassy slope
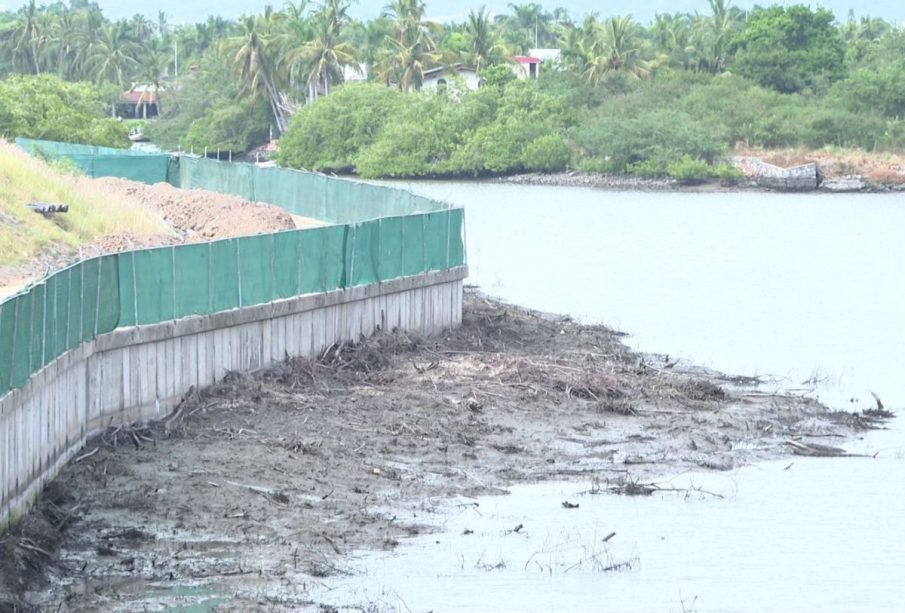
92	212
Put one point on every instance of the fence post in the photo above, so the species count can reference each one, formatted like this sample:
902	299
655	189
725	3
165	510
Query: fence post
173	260
448	231
239	270
97	304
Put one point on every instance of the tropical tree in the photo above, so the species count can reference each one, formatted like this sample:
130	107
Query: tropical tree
113	57
140	28
62	49
619	48
152	66
163	24
724	22
528	26
252	57
790	49
23	40
672	39
91	28
322	59
370	37
411	49
484	44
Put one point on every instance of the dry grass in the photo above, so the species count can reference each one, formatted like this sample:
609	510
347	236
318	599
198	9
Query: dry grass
878	166
93	212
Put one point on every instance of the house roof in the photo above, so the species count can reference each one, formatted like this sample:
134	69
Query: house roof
526	59
134	97
442	70
141	92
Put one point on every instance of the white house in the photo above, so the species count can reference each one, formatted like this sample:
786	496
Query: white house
436	78
547	55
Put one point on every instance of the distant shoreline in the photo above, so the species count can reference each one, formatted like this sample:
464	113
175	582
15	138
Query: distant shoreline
633	183
855	184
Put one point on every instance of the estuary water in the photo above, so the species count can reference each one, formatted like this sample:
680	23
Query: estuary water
805	289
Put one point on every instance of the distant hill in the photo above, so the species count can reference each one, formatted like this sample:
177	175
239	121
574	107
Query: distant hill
643	10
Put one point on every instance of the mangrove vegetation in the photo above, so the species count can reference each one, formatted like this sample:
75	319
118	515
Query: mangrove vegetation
674	96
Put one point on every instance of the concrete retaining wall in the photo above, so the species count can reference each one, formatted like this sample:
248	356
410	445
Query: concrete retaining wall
795	179
141	373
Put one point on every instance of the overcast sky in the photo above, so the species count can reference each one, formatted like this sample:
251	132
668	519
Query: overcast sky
197	10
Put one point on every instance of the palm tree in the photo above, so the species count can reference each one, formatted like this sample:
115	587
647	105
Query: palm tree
295	31
151	68
619	49
62	48
91	24
113	57
252	60
529	25
670	35
163	25
140	28
719	28
322	59
484	42
371	37
23	40
411	50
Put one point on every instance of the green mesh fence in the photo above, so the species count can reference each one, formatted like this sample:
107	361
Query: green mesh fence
55	315
106	162
303	193
384	234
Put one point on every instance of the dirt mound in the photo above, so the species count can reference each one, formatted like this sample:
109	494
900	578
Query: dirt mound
194	216
198	215
124	242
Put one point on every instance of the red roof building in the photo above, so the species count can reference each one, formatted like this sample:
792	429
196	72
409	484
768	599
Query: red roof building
526	66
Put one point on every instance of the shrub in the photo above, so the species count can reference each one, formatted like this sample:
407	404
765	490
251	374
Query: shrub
549	153
46	107
329	134
689	170
650	141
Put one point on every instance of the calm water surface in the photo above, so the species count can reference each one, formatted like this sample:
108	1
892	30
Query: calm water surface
799	287
795	286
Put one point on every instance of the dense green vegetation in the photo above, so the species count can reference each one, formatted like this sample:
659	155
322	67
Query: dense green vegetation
48	107
673	96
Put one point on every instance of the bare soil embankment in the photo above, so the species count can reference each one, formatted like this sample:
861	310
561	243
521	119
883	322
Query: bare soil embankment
185	216
266	483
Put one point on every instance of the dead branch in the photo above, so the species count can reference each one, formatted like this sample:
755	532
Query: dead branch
86	455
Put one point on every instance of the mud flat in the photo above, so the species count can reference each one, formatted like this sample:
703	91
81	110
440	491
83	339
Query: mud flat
258	489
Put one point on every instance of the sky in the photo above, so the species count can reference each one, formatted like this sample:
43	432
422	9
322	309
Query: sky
180	11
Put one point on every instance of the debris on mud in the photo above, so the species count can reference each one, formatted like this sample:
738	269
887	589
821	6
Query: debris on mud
264	484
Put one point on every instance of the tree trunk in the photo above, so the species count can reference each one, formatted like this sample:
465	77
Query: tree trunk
274	96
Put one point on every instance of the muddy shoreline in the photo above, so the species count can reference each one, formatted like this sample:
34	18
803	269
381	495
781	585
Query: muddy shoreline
264	485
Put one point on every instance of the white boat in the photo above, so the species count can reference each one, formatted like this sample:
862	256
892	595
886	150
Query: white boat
136	136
